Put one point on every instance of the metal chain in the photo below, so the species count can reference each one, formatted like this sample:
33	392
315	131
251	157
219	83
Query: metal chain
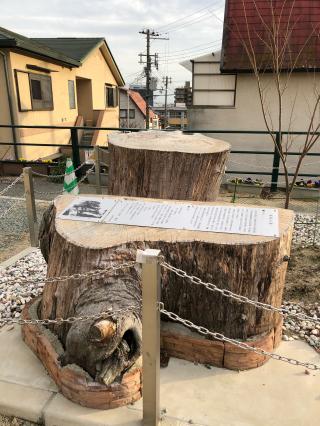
63	191
9	209
58	176
78	276
18	179
239	298
86	174
70	320
218	336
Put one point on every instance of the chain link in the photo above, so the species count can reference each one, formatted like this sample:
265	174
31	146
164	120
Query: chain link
59	176
63	191
18	179
86	174
70	320
9	209
79	276
239	298
218	336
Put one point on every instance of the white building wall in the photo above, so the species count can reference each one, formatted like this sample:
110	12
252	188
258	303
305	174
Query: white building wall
138	122
299	100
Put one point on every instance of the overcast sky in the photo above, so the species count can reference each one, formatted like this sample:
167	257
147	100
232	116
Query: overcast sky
193	27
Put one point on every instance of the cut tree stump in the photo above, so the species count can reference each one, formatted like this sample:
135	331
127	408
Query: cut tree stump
107	348
169	165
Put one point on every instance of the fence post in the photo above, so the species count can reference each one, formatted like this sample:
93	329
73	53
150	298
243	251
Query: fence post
31	206
150	335
276	163
75	150
97	169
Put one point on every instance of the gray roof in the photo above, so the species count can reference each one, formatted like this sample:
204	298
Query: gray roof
68	51
10	39
75	48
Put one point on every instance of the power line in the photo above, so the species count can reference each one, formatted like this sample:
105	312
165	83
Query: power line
185	58
191	48
203	17
192	53
187	16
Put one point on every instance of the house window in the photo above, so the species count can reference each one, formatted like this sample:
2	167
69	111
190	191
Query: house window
111	96
132	113
72	97
124	113
41	92
36	89
175	114
211	89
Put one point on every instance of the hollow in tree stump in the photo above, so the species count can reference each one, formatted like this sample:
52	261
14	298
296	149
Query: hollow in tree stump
170	165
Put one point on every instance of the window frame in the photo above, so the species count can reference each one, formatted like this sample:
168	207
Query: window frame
44	76
40	77
115	96
74	95
132	113
234	91
132	116
16	71
125	111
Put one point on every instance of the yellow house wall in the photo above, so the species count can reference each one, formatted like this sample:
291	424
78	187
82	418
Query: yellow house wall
103	75
94	68
111	115
95	65
5	134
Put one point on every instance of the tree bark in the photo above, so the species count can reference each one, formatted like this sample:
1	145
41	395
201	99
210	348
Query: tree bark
248	265
168	165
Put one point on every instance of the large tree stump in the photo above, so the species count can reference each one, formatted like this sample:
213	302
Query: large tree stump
252	266
169	165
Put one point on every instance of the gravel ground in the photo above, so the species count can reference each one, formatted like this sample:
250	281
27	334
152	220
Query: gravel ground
13	421
13	293
14	232
306	230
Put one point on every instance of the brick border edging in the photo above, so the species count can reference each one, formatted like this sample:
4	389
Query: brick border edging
220	354
73	384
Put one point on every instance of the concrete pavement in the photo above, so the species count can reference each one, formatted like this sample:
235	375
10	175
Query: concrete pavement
277	394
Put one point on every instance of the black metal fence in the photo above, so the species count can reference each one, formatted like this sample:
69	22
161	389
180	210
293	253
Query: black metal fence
274	173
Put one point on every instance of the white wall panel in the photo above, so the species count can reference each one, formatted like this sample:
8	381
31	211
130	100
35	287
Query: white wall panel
213	98
214	82
212	68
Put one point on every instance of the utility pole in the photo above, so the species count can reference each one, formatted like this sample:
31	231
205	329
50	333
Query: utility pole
148	77
166	80
150	35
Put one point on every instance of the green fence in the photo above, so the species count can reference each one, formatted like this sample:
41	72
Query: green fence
274	172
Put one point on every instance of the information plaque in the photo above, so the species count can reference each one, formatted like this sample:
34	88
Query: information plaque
201	217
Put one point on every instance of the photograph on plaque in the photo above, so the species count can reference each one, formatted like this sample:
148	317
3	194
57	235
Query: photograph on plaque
87	209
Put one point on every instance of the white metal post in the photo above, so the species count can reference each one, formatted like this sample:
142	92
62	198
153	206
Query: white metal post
97	169
31	206
150	335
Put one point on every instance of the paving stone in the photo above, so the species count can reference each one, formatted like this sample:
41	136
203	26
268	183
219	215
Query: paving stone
23	401
62	412
19	364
